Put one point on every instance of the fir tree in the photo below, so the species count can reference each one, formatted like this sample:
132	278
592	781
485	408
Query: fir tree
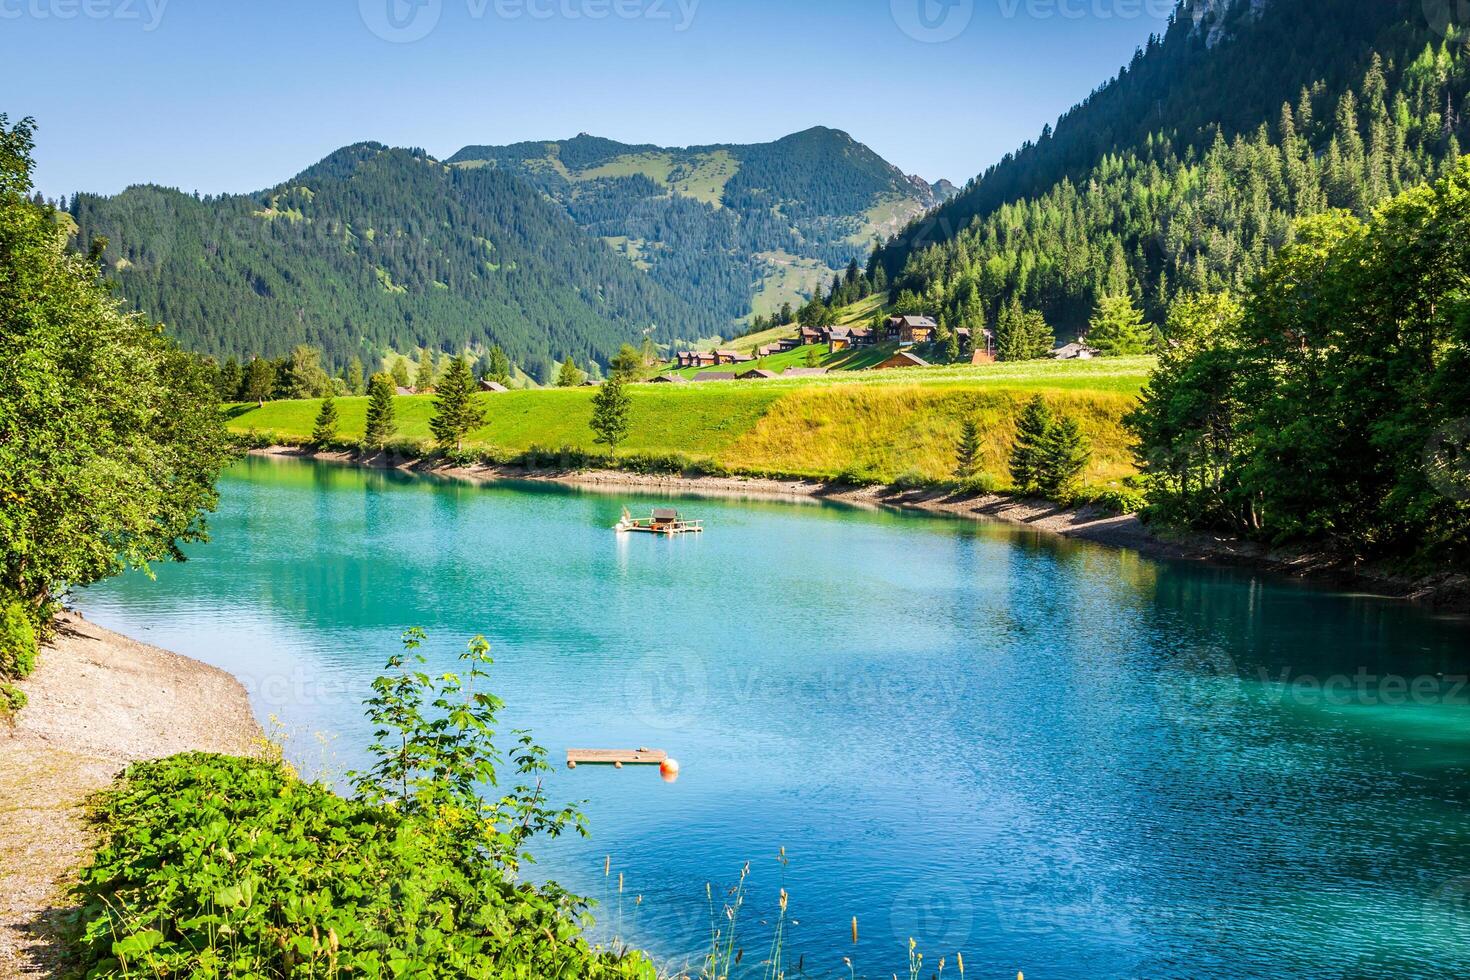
1064	454
455	413
967	457
260	381
381	421
400	372
952	347
570	376
812	358
325	431
424	380
1033	429
355	380
610	408
1117	328
498	367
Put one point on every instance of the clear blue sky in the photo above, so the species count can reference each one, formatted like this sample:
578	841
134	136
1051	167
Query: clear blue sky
236	95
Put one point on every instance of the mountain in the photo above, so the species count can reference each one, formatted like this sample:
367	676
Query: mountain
1187	171
378	248
725	226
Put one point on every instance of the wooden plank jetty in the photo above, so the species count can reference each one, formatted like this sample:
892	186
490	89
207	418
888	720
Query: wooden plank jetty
615	757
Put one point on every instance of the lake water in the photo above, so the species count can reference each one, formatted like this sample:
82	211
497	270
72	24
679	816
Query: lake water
1051	756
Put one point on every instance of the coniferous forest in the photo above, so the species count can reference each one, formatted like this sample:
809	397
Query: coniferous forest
1187	171
378	248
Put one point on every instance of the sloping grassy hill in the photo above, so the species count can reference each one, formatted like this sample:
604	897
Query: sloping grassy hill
875	425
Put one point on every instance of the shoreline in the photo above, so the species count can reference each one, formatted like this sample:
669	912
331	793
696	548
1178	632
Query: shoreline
99	701
1442	592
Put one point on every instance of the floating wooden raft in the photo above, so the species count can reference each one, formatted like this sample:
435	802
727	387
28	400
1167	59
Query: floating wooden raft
615	757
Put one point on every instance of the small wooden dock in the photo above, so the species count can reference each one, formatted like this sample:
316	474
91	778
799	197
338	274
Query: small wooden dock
618	758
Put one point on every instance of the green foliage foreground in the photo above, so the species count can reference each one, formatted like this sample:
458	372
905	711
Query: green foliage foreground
223	867
110	436
1334	406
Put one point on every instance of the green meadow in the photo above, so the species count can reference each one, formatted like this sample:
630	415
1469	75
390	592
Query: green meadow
883	426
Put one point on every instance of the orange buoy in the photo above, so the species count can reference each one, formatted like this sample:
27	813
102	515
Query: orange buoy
669	770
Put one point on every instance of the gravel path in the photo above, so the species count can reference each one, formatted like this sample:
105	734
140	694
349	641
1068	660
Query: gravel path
98	701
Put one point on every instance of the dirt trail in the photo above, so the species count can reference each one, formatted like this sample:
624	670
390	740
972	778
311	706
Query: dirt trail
98	701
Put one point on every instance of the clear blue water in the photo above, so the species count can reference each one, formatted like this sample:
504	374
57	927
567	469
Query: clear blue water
1051	756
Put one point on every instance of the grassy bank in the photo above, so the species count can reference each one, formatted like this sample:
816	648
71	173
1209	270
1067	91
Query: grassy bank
880	426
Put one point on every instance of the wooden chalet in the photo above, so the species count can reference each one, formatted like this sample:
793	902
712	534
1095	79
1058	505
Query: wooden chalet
902	359
1078	351
670	379
495	386
839	339
758	374
911	329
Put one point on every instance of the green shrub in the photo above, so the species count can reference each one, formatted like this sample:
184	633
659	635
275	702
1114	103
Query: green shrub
17	643
1117	498
223	867
12	699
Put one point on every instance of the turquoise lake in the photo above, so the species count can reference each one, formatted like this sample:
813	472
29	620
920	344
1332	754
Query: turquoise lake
1048	755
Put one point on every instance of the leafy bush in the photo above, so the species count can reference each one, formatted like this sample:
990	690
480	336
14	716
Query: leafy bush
17	643
12	699
222	867
1117	498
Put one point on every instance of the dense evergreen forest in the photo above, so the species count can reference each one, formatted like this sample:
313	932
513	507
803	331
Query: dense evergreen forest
379	248
1187	171
707	219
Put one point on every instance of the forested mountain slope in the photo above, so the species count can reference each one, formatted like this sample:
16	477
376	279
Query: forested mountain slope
1187	170
376	247
725	225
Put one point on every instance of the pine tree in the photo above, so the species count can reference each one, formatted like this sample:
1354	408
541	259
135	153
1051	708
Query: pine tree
260	381
400	372
570	376
610	407
355	380
812	359
381	422
1064	455
326	424
1117	328
1027	453
455	413
952	347
424	380
967	457
1038	337
498	369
